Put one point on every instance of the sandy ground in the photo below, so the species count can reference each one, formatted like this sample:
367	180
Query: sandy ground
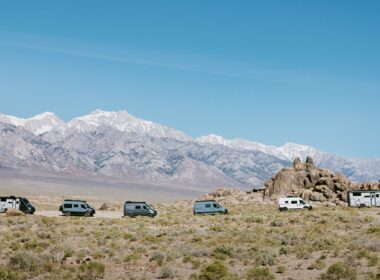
98	214
32	184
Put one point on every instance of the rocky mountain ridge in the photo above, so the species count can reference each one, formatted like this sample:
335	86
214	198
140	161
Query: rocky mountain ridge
117	144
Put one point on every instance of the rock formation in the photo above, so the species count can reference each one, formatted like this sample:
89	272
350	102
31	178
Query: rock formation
313	183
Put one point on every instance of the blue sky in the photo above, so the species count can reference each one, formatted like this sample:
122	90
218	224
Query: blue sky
268	71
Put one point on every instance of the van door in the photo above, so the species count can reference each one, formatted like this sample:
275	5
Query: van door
373	199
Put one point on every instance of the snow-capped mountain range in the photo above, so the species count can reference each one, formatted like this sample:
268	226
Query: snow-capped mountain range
119	145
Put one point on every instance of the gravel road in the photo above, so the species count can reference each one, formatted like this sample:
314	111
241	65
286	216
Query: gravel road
98	214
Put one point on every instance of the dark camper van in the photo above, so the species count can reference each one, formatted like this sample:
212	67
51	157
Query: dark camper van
208	207
73	207
19	203
133	209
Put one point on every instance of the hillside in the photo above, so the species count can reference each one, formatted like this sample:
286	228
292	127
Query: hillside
117	145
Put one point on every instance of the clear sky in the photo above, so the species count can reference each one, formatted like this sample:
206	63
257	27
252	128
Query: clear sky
268	71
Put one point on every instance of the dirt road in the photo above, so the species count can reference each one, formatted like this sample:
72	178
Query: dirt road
98	214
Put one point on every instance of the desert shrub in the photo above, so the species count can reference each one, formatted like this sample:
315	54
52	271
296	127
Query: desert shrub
318	264
14	213
195	263
340	271
25	261
280	269
215	271
259	273
374	230
165	273
223	251
8	274
277	223
158	258
91	270
264	258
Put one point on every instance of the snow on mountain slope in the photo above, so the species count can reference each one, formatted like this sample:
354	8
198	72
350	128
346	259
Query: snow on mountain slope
119	144
38	124
121	120
289	151
243	144
125	122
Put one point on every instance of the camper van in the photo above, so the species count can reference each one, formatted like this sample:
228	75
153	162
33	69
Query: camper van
73	207
293	203
208	207
363	198
12	202
133	209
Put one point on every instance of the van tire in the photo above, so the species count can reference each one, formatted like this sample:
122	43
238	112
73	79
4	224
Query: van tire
282	209
68	214
87	214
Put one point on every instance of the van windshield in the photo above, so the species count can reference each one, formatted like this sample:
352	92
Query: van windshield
27	203
88	206
149	207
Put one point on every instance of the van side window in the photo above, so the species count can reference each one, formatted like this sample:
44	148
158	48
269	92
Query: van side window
286	201
138	207
76	206
208	205
377	195
82	205
68	206
294	202
356	194
216	205
145	207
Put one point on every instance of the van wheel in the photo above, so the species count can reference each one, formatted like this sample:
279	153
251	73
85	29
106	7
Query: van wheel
150	215
284	209
87	214
361	205
68	214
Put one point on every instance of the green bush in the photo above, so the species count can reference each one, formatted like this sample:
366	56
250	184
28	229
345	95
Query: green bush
264	258
25	261
216	271
260	273
158	258
8	274
340	271
165	273
91	270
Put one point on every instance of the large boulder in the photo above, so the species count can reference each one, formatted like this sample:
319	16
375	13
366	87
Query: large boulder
313	183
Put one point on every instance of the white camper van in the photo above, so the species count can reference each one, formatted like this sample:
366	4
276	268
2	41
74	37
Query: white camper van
363	198
12	202
293	203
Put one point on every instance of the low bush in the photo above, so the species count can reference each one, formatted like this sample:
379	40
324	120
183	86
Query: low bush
260	273
340	271
91	270
165	273
216	271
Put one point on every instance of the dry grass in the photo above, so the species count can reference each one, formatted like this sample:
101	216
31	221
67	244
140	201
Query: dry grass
252	242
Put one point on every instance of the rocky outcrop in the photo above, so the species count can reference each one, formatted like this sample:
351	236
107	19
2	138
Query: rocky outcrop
313	183
235	196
